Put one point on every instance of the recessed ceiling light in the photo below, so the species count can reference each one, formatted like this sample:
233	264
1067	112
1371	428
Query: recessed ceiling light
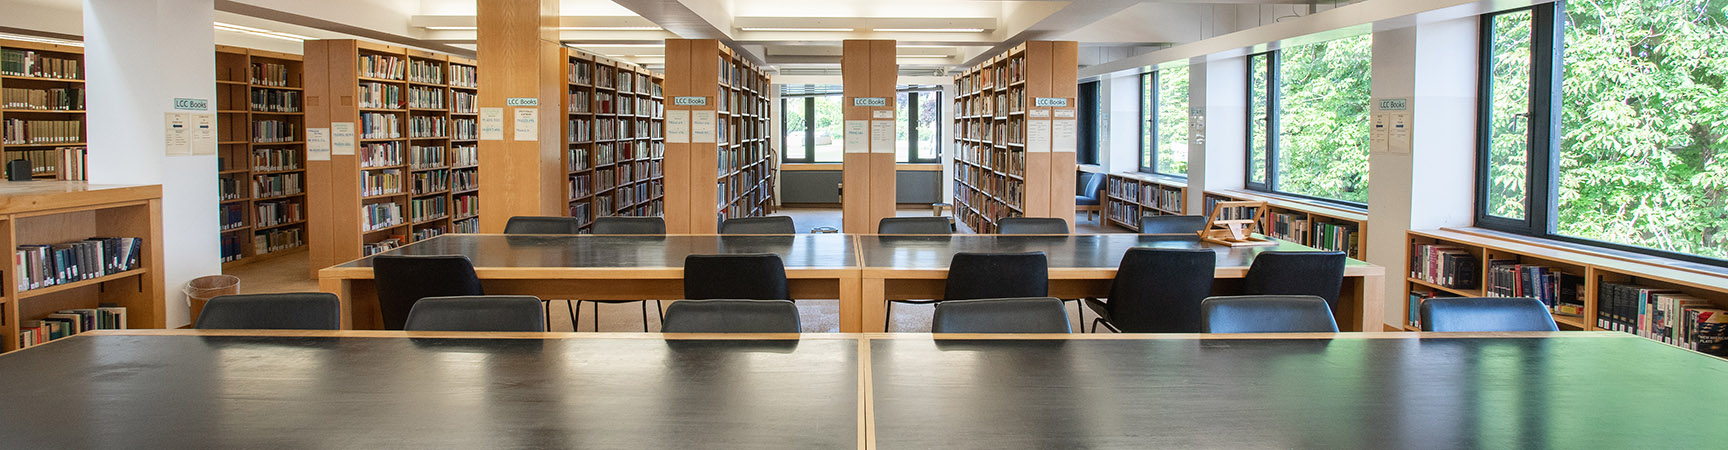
928	30
647	56
794	29
261	32
453	28
610	28
923	56
608	45
44	40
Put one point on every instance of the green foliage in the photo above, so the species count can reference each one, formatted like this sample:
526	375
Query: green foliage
1508	121
1173	121
1323	119
1259	115
1147	121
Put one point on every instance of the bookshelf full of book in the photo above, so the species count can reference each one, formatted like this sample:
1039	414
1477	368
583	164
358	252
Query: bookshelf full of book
261	156
615	146
42	108
746	160
1130	196
1002	167
1315	225
721	163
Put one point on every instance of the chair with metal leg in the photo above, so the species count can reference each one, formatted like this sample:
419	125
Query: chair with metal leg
620	225
1267	314
404	280
1157	291
988	275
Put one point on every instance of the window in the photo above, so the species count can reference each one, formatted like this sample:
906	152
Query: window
1631	157
810	128
1164	122
1086	144
1308	120
1148	124
919	136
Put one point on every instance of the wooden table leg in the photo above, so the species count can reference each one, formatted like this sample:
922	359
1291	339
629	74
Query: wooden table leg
344	290
851	305
874	294
1371	302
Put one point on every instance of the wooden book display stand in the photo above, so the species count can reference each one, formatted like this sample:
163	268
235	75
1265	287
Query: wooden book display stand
1232	229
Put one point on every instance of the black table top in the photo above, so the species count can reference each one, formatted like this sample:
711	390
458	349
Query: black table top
1100	251
799	251
1582	392
197	392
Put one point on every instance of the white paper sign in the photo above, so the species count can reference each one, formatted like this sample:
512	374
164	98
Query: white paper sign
882	136
1064	113
857	136
882	114
527	124
491	124
1399	136
1064	134
702	127
317	144
1038	136
678	126
203	134
177	133
342	138
1037	113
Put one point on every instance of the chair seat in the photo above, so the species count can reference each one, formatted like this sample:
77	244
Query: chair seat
1085	200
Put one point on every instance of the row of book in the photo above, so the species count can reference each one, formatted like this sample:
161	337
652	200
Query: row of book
427	98
381	66
426	157
233	216
275	159
465	155
63	163
382	245
270	74
275	213
464	76
68	322
380	95
469	225
425	72
273	131
20	131
464	129
1337	237
40	266
465	206
429	208
31	63
380	182
423	232
1231	213
380	126
272	100
1445	265
427	126
378	216
278	239
429	182
277	185
380	154
464	102
462	180
52	99
1561	292
1665	315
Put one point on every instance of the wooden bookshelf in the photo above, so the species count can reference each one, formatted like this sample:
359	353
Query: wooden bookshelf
1129	196
53	212
1303	222
614	133
742	158
413	174
261	156
42	112
997	172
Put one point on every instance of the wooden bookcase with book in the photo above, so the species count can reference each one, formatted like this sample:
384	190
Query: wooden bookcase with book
997	172
726	137
86	257
746	164
1680	303
1319	226
412	174
42	99
261	160
1129	196
615	150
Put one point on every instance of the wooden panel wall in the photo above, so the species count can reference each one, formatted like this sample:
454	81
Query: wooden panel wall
519	37
868	69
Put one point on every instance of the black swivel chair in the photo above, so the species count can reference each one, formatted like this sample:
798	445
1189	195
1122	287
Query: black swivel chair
732	316
915	225
989	275
541	225
740	276
1001	315
477	313
1167	224
291	311
404	280
1486	315
759	225
1267	314
1031	225
622	225
1320	274
1089	196
1157	291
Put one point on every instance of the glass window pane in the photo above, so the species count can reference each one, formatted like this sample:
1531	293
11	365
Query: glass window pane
827	128
1257	117
929	111
1173	121
793	110
1146	122
1508	114
1644	159
902	146
1323	119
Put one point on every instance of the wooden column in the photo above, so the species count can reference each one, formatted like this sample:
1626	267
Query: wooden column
692	66
1064	65
523	174
868	71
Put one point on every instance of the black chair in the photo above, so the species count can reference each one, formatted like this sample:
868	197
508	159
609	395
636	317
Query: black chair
1267	314
290	311
1168	224
989	275
1320	274
732	316
477	313
915	225
759	225
1486	314
740	276
1001	315
1089	193
1031	225
629	225
403	280
541	225
1157	291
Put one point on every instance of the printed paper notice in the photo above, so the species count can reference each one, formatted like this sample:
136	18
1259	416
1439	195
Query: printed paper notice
857	136
527	124
317	144
882	114
1038	136
342	138
678	127
491	124
882	135
702	127
1064	134
177	133
203	134
1064	113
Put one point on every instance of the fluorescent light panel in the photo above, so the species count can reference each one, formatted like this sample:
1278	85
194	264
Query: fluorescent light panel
260	32
470	28
928	30
794	29
44	40
923	56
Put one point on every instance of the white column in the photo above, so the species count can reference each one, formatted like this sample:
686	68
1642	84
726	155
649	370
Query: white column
1217	143
139	56
946	143
1122	145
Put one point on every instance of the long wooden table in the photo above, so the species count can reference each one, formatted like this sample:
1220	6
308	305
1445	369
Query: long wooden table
190	389
862	271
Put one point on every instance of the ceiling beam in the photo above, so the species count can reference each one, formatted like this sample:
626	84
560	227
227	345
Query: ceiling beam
236	7
678	18
1073	16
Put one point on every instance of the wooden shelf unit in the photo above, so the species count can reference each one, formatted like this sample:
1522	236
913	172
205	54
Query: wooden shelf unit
260	176
53	212
996	174
1128	196
741	160
1305	222
614	135
51	157
413	174
747	162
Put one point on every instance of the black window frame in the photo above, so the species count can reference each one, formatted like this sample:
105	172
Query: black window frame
1148	150
1086	144
913	153
1274	79
809	132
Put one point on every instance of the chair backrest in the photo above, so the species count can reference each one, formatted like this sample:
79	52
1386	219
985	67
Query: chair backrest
1031	225
477	313
1001	315
914	225
1267	314
997	275
731	316
289	311
541	225
404	280
739	276
629	225
1089	184
1168	224
759	225
1486	314
1320	274
1160	290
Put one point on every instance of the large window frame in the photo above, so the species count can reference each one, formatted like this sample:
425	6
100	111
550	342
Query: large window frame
808	103
1269	161
1150	104
915	154
1087	143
